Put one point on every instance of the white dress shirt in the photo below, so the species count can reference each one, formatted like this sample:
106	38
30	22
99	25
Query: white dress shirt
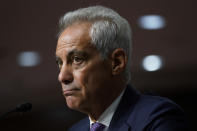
107	115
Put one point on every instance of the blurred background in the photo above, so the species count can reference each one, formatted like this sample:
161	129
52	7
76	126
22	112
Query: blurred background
164	59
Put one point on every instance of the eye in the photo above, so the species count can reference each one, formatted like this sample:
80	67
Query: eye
77	60
59	63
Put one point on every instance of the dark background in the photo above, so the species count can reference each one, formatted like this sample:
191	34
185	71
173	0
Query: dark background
32	26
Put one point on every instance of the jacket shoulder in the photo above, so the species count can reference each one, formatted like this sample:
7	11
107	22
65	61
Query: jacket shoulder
155	111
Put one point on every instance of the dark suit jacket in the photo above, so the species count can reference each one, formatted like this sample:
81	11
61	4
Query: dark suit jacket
137	112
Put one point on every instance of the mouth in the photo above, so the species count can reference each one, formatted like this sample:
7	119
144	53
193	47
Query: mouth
70	92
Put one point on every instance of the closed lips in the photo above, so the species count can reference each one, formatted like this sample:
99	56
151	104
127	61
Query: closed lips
70	91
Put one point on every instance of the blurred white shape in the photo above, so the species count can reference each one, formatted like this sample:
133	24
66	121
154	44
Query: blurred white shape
152	63
152	22
28	59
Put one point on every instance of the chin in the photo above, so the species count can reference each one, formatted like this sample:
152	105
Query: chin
72	103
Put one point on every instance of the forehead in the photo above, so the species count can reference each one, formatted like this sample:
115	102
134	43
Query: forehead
75	35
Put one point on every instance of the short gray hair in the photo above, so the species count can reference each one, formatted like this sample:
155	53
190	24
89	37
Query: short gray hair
109	30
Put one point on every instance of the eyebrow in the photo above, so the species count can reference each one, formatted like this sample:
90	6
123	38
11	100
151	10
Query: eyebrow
73	52
77	52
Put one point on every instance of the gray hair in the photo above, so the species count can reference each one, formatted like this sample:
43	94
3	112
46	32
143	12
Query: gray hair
109	30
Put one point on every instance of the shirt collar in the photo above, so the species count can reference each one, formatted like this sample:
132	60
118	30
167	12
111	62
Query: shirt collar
107	115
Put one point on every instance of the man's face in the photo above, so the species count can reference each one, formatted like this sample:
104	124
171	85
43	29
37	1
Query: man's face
84	76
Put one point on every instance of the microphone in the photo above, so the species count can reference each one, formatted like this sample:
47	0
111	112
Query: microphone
23	107
19	108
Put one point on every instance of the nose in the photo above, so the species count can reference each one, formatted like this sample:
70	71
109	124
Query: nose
65	76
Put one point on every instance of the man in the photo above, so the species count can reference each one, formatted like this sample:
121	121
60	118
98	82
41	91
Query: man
94	55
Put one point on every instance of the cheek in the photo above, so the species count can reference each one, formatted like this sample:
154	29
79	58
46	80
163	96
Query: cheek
79	77
81	81
84	80
84	77
94	76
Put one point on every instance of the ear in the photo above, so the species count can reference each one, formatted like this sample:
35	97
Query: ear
119	61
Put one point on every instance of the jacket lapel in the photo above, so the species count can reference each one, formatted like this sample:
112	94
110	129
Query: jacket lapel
86	126
83	125
124	110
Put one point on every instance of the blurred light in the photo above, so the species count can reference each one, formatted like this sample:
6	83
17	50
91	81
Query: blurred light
28	59
152	63
151	22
